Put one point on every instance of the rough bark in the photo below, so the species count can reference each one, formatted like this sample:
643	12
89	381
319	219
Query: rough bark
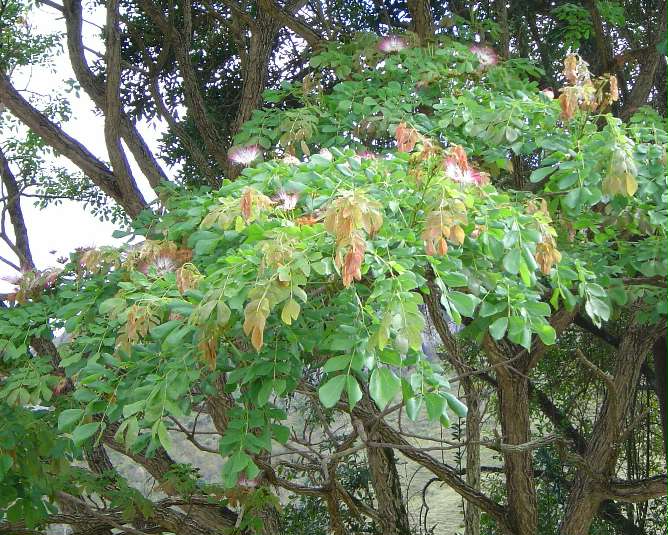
659	355
513	393
21	244
502	19
194	99
454	356
644	82
112	111
588	490
369	416
638	491
94	88
393	517
608	510
66	145
264	31
422	22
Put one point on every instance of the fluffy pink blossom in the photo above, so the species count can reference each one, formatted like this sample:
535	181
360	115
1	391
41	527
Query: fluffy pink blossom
367	154
464	175
548	92
392	43
244	155
290	159
162	264
287	200
486	55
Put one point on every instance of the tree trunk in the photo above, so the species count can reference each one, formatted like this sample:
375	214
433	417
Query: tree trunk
387	486
73	13
513	395
473	416
648	67
54	136
589	488
22	245
502	19
435	320
422	22
659	353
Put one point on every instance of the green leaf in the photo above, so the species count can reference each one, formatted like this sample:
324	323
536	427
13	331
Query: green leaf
280	433
133	408
524	273
436	405
490	309
383	386
132	432
69	418
540	173
112	304
84	432
265	392
454	280
413	406
159	332
597	308
457	406
335	364
511	134
537	308
519	331
6	463
252	471
330	392
511	261
353	391
238	462
498	328
164	437
464	303
546	333
175	338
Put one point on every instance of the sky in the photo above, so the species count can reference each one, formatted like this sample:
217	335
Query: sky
58	230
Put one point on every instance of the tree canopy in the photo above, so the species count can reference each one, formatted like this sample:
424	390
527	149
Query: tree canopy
357	253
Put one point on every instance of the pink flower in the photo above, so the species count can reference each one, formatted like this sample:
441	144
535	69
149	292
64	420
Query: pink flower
392	43
473	176
290	159
464	175
548	92
162	264
367	154
244	155
287	200
453	171
486	55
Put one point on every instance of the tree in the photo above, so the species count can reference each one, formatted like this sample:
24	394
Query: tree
411	183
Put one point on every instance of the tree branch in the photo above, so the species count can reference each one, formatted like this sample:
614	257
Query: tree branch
16	215
54	136
112	111
193	96
637	491
95	90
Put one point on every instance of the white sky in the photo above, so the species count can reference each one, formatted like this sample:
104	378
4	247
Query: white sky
65	227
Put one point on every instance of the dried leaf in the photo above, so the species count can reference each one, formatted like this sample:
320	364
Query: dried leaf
571	68
406	137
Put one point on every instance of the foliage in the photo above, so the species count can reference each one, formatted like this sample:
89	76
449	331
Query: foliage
313	264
